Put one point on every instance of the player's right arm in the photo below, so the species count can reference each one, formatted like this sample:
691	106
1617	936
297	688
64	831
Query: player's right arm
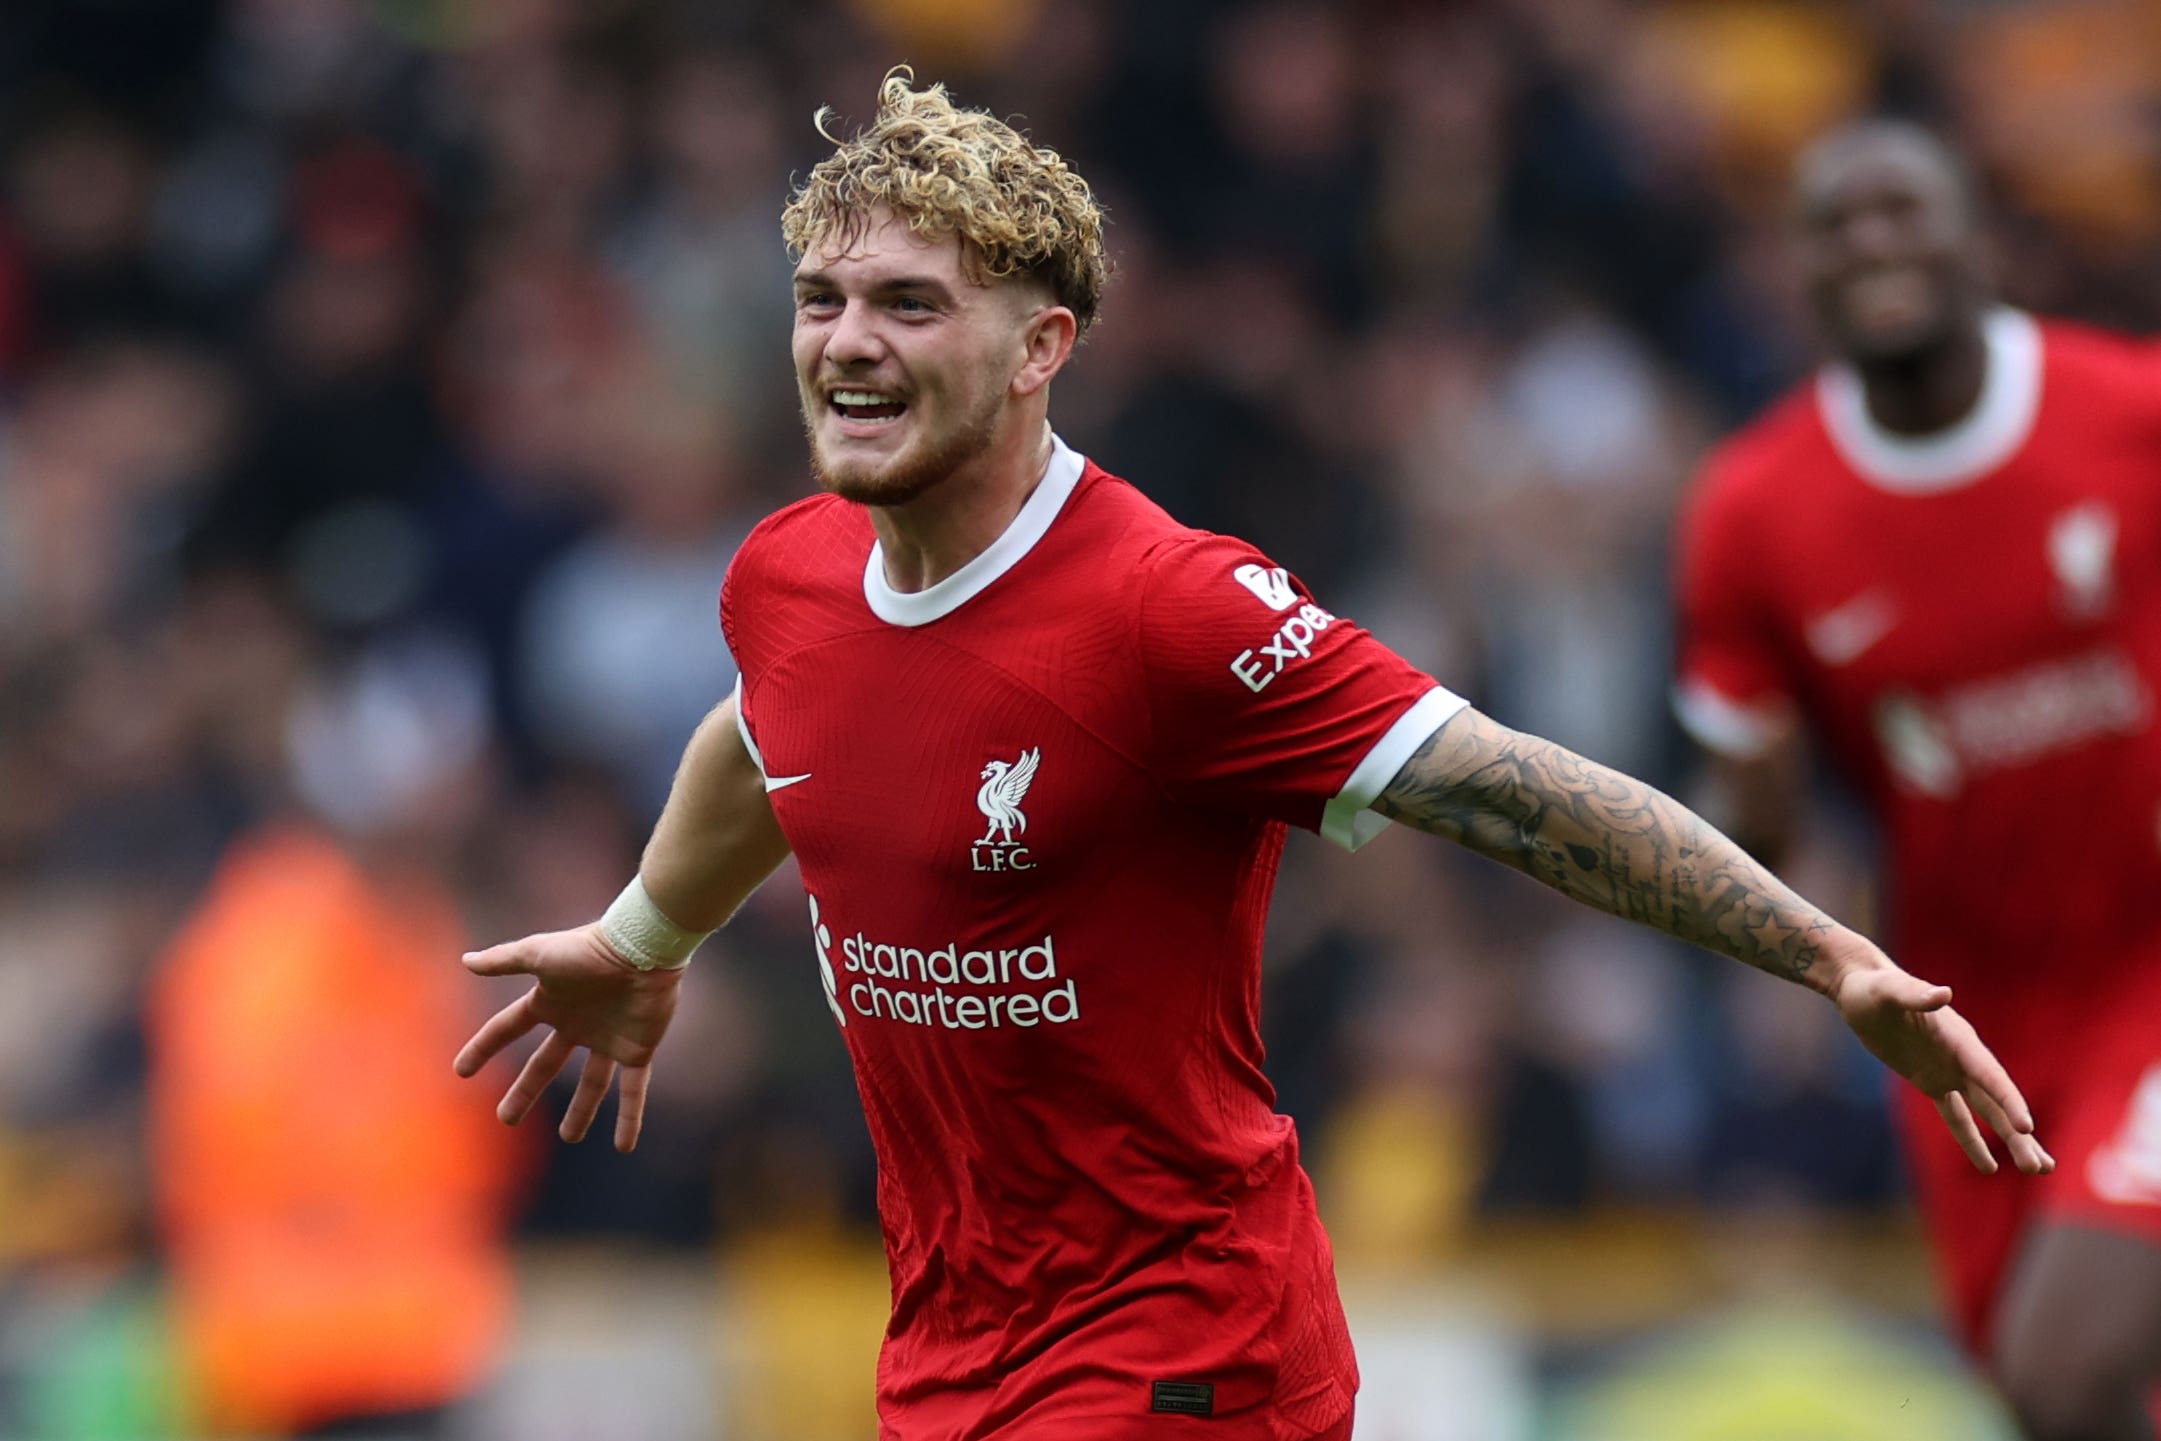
715	843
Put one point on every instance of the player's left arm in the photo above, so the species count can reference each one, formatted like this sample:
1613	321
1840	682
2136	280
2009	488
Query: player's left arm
1613	842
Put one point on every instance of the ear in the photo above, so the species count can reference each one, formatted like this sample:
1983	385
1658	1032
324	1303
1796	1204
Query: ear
1047	341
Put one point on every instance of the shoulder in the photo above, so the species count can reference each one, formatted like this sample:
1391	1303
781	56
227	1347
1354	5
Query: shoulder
2101	402
804	532
814	546
1118	521
1760	470
816	542
1162	576
1753	460
1117	549
1116	518
2087	356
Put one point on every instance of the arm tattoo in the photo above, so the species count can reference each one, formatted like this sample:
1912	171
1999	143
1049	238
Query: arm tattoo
1604	839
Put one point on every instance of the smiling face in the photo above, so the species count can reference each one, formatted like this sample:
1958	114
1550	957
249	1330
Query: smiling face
907	364
1893	259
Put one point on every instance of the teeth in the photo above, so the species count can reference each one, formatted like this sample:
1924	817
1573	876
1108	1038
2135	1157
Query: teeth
861	397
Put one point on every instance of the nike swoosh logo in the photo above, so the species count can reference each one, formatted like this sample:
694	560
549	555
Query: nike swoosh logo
776	783
1842	636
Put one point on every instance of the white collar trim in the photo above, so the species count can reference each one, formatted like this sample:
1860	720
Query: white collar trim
921	607
1960	454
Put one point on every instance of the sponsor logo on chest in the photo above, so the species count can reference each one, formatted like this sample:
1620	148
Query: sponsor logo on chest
1934	746
952	984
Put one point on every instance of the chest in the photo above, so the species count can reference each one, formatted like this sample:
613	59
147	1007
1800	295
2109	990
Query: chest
2035	566
927	768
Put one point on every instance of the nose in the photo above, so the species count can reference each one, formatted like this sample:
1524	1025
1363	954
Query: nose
853	339
1872	233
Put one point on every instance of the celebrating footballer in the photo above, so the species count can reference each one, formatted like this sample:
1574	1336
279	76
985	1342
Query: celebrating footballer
1034	746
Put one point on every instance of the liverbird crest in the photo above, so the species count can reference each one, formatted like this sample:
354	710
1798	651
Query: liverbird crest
1004	786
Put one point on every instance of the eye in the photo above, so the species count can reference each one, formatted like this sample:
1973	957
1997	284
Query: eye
912	305
816	300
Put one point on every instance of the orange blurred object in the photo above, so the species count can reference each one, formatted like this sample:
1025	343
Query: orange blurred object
972	34
2060	100
333	1199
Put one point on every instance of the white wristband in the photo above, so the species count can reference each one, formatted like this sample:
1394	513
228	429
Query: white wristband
642	935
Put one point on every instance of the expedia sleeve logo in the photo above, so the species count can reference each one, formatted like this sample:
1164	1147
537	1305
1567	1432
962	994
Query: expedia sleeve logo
1258	667
1271	584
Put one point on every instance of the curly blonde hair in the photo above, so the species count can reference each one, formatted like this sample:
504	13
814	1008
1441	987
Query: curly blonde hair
1018	208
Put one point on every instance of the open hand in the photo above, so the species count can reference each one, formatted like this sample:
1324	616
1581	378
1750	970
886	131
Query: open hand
591	997
1910	1026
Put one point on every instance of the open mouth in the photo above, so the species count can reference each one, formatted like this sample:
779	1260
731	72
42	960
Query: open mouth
866	405
1893	294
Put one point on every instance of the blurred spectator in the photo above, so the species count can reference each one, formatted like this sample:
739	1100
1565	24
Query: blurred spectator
332	1200
697	251
81	189
621	648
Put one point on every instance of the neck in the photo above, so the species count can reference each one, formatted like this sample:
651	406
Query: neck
934	535
1932	389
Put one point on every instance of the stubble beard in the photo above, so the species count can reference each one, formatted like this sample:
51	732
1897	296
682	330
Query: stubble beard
917	470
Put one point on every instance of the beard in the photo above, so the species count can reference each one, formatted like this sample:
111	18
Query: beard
1952	308
919	468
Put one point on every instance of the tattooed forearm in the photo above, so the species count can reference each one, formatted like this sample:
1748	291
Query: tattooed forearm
1605	839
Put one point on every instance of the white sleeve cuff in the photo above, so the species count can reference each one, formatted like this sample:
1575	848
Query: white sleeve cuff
742	728
1347	821
1729	727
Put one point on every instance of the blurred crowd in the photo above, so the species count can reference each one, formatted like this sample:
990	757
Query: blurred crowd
385	384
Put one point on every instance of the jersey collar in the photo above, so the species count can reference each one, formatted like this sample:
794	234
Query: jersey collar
1960	454
921	607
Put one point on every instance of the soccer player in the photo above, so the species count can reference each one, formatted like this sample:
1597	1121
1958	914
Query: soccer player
1941	561
1034	746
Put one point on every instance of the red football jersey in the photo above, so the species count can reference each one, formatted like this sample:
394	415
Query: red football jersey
1970	625
1038	809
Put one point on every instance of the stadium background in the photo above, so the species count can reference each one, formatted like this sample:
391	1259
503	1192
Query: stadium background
383	387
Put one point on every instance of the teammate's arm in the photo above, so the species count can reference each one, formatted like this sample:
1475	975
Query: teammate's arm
715	843
1758	798
1612	842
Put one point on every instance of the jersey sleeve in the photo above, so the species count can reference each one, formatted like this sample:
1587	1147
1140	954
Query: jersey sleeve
1731	688
1261	700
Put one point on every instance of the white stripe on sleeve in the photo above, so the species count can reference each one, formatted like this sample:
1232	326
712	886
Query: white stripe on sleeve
1347	821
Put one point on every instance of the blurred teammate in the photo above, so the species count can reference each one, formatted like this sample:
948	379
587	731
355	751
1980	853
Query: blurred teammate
1941	559
1034	745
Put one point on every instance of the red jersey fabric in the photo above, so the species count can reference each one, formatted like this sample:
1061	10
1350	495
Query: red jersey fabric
1970	628
1038	809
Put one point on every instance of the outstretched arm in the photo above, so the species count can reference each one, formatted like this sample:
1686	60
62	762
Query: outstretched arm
1612	842
716	840
715	843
